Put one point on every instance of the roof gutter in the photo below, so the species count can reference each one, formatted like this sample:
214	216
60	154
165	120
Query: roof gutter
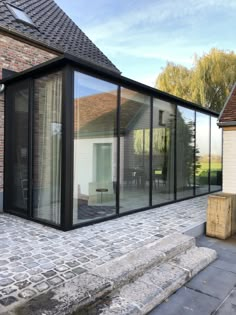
226	124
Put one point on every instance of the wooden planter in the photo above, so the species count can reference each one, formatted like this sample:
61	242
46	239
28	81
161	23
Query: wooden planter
221	215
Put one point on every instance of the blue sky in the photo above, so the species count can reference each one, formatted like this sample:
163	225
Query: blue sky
140	36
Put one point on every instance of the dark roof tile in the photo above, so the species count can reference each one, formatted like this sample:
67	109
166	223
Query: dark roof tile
52	28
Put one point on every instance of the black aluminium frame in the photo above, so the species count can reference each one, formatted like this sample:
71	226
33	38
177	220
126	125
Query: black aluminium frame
68	65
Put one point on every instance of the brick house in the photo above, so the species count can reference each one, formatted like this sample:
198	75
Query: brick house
82	143
227	121
35	31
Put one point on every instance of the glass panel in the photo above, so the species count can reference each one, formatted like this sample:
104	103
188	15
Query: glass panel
202	153
185	152
19	147
95	149
216	155
163	151
47	148
134	150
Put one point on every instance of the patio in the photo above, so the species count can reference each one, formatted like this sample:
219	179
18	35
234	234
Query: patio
35	258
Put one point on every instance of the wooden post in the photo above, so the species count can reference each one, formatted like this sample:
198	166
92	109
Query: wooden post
221	215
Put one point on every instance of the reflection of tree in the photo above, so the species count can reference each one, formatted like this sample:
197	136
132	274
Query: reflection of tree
162	146
185	151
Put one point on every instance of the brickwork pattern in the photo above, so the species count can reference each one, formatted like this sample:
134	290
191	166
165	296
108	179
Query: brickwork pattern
16	56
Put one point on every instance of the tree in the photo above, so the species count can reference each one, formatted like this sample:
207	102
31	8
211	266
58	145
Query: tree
207	83
175	79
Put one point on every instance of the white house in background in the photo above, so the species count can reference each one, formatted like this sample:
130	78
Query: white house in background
227	121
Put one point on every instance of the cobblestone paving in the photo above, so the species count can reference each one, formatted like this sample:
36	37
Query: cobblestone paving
35	258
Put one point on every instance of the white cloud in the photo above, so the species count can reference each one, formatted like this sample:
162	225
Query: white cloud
136	33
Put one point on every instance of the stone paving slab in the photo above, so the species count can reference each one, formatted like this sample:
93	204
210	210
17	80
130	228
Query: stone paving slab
36	258
228	307
187	302
212	291
214	282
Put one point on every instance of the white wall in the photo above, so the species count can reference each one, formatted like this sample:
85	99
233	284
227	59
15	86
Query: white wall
229	161
84	165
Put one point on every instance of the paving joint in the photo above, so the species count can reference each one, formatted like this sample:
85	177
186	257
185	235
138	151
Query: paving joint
36	258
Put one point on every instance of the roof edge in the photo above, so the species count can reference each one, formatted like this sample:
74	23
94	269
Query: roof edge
51	48
109	75
227	123
226	102
28	39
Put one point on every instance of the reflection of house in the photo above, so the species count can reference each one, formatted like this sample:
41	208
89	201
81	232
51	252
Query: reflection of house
227	121
95	127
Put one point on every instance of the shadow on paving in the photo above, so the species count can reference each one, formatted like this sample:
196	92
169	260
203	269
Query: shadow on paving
212	291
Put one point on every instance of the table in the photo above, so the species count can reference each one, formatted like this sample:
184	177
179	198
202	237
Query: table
102	190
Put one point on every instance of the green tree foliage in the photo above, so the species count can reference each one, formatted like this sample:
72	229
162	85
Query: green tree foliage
207	83
176	80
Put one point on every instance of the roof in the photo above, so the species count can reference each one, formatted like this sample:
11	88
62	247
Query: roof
228	114
96	114
52	28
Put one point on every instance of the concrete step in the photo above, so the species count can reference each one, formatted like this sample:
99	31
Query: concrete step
155	285
119	274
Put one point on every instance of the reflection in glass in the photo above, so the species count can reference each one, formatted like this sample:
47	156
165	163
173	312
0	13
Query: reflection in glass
134	150
47	148
95	149
19	188
163	152
216	155
185	152
202	153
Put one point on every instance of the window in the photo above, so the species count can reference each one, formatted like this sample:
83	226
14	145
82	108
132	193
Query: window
163	152
95	148
20	14
161	118
202	153
216	156
18	189
185	139
47	149
134	150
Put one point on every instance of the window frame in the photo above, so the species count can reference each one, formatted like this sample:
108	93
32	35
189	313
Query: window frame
13	9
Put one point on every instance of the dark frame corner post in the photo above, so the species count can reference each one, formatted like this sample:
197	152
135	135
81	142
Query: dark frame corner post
7	151
67	148
118	112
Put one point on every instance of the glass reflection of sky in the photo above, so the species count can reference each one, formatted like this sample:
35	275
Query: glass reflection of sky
85	85
202	133
187	114
216	137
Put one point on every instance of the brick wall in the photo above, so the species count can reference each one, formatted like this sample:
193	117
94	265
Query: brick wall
16	56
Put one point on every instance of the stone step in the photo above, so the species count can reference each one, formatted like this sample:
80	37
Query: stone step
128	267
154	286
89	288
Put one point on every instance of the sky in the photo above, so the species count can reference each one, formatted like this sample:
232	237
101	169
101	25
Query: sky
139	37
